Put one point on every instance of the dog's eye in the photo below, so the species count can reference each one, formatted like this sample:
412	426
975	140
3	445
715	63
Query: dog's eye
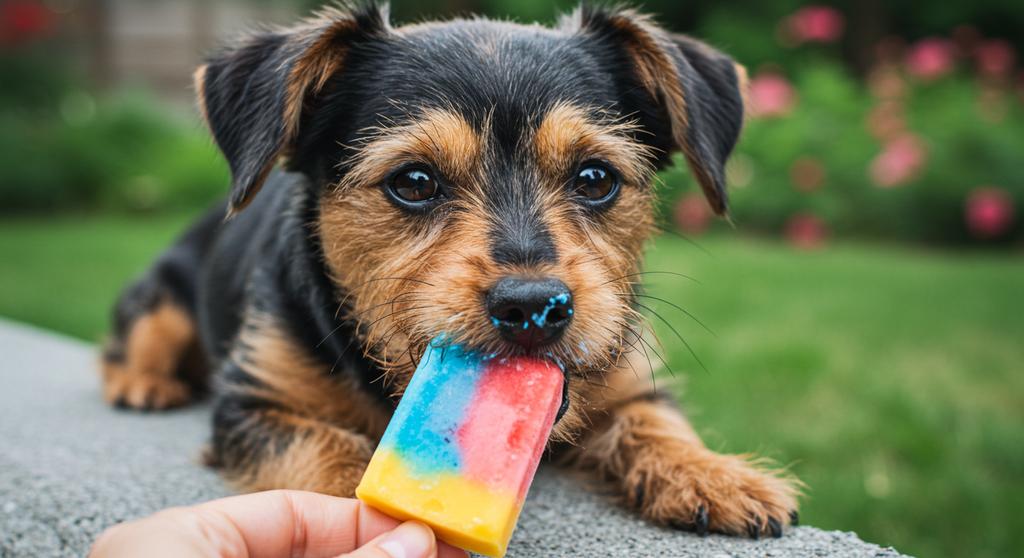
595	183
415	186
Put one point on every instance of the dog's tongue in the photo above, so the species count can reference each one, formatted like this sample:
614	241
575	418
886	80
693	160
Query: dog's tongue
464	444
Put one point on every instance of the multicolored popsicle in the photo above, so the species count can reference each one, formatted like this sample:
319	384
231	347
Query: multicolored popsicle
463	445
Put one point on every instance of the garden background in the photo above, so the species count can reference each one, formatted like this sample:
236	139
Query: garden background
865	302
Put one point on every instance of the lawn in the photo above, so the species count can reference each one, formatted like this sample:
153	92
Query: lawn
889	379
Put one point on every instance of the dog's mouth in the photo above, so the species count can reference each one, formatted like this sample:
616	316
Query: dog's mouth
513	325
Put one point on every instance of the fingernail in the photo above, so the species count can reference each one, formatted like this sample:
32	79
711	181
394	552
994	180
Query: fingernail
411	539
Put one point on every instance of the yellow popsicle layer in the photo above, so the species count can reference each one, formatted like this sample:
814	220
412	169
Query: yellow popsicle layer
464	513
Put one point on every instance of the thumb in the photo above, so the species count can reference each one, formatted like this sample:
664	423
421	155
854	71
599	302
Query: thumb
411	539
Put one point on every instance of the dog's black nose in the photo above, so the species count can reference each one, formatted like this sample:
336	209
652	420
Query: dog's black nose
530	312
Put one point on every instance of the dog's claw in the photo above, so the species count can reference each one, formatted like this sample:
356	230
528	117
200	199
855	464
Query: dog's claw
794	518
775	527
638	495
754	530
700	521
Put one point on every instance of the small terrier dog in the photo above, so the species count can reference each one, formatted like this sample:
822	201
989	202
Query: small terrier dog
439	177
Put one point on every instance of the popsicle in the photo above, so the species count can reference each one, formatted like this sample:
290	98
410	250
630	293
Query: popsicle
463	445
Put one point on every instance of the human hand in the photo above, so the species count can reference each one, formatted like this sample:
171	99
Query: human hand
272	524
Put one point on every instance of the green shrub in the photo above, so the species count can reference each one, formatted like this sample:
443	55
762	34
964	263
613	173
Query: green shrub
124	153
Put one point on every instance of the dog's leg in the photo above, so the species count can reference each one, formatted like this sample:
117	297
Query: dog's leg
282	419
153	359
152	356
642	444
259	447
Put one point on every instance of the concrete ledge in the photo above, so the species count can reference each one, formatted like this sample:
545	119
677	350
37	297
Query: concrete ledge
70	467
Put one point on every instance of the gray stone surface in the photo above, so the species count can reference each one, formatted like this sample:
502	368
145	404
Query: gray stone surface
70	467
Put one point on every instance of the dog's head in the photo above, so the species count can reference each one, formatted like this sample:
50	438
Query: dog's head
485	180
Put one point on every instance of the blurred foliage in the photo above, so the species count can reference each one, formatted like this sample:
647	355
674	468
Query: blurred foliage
114	154
830	126
63	148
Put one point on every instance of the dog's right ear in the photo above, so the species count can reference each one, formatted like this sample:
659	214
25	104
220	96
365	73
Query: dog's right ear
698	91
253	96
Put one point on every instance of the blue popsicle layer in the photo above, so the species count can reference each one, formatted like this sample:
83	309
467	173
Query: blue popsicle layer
423	433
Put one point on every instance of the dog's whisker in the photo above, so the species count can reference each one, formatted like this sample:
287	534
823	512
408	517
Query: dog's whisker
676	332
355	317
641	273
350	291
681	309
358	315
672	231
369	328
650	365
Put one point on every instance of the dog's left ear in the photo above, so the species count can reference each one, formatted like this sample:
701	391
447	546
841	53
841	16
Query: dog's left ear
700	90
253	96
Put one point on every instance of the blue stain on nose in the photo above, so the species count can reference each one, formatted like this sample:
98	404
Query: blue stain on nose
542	318
530	311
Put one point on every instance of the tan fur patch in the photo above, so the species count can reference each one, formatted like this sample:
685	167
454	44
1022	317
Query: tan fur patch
743	84
319	457
153	350
569	135
321	59
437	137
199	83
291	378
649	48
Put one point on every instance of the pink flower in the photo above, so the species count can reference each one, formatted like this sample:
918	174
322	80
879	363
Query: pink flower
988	212
994	58
806	231
900	161
771	95
807	174
814	24
692	214
930	58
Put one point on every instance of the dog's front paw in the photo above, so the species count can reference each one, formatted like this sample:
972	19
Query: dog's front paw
702	491
125	388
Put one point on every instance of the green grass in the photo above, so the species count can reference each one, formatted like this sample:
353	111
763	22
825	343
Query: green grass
890	380
65	274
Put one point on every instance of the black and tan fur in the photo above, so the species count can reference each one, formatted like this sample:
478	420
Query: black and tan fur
313	301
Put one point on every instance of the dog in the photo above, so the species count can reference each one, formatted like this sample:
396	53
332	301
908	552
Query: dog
442	177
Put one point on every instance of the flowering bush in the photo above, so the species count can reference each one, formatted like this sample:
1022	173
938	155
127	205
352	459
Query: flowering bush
926	148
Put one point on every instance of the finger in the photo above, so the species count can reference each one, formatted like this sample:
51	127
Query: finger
445	550
411	539
295	523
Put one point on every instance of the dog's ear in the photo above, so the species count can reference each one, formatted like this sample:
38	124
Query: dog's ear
697	88
253	96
